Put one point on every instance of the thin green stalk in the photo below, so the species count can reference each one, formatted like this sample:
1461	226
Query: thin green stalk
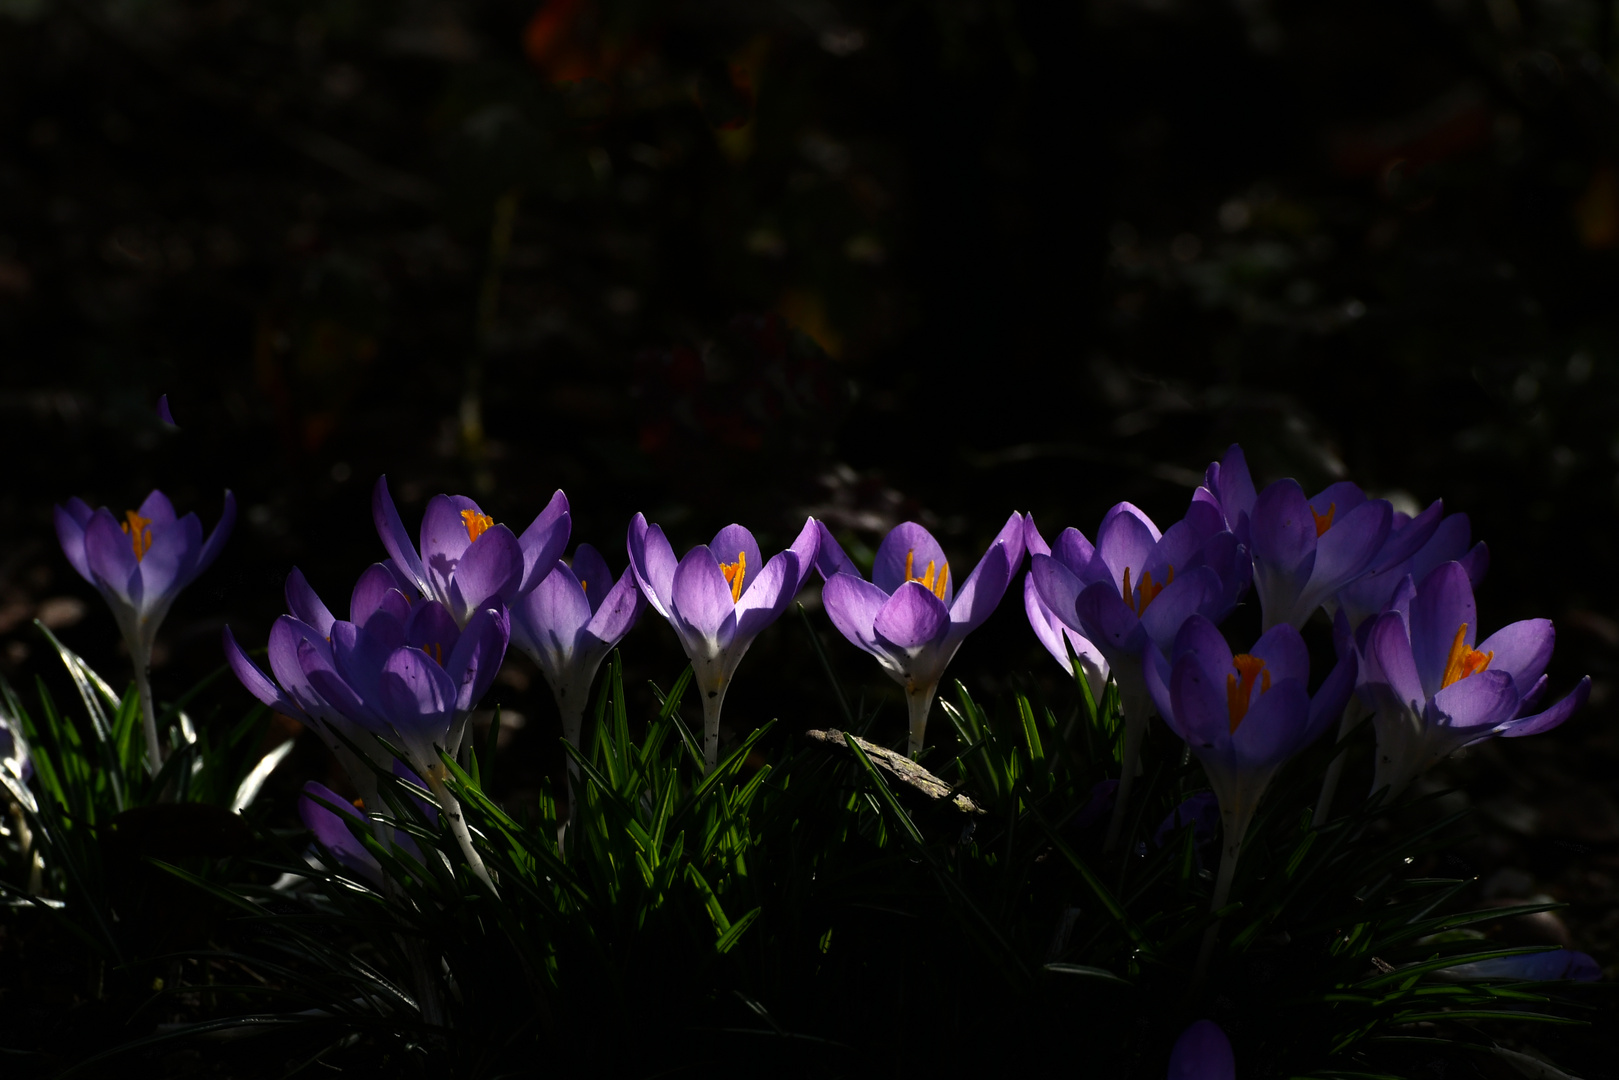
143	686
1135	730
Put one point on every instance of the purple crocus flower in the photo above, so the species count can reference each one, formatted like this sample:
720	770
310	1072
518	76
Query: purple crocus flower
569	622
1551	965
1434	691
1051	631
1307	550
1450	542
910	616
1201	811
1243	716
1202	1053
139	566
1196	567
718	599
467	561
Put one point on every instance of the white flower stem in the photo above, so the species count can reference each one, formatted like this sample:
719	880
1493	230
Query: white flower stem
1354	713
458	826
1234	829
1135	728
713	699
143	687
919	700
25	844
573	727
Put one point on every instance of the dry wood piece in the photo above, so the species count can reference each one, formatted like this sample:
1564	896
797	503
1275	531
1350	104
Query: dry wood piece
902	769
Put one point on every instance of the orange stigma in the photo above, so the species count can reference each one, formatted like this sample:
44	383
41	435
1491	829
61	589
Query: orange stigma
1463	660
926	578
477	524
1149	590
734	573
139	531
436	651
1239	688
1323	522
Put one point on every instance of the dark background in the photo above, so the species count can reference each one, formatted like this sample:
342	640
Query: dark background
749	261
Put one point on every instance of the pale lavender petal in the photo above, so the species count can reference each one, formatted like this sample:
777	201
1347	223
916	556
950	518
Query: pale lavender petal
1479	701
830	557
618	611
806	546
349	851
590	571
418	698
548	619
166	560
912	617
982	591
286	635
305	605
472	666
1443	605
544	541
1033	542
1058	587
852	603
1416	536
653	561
1347	549
376	583
1275	728
430	627
1522	650
1046	628
1105	619
394	537
702	604
1198	700
764	600
1125	541
445	537
71	520
734	542
1077	553
1132	510
1285	654
1197	591
1234	484
256	681
1545	721
1200	639
489	570
907	540
157	508
1390	663
111	558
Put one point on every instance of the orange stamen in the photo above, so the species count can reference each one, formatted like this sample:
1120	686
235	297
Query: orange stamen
936	587
734	573
1463	659
477	524
1149	590
585	585
1239	688
139	531
1323	522
436	651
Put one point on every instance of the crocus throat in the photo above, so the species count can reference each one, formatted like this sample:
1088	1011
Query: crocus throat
436	651
1239	687
477	524
1323	522
936	587
734	573
1149	590
139	531
1464	660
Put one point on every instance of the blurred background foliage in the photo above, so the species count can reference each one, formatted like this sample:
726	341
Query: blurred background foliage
872	261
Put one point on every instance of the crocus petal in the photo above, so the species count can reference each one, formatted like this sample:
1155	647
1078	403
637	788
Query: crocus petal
71	520
764	601
445	534
908	540
1479	701
1033	542
1202	1053
1545	721
489	570
216	539
548	619
388	619
157	509
1059	589
472	666
852	603
591	574
1285	654
286	636
982	591
1332	697
653	561
1275	727
1200	639
1406	541
912	617
373	585
1338	498
1391	663
315	811
1182	540
1104	618
1551	966
1198	699
1476	562
544	541
830	557
1046	628
111	558
1125	541
1284	531
1346	550
807	547
1443	605
1197	591
256	681
1521	649
618	611
431	628
734	542
163	568
418	698
702	604
305	605
394	537
1231	481
1077	553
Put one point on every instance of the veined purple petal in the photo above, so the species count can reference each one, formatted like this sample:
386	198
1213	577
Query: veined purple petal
1184	540
764	601
912	617
1198	703
544	541
909	541
1078	554
1391	664
702	604
339	696
618	612
315	811
357	658
1033	542
1197	591
1545	721
734	542
852	603
1232	483
1201	639
418	698
1533	696
111	557
1347	549
216	539
654	563
255	681
1443	605
472	666
1284	653
1284	532
1202	1053
806	546
305	605
1125	540
1338	499
163	566
1059	589
1106	621
592	575
71	519
1274	728
1406	541
157	508
373	585
548	619
1046	627
1479	701
830	557
1521	649
430	628
489	570
445	535
286	635
982	591
394	537
387	623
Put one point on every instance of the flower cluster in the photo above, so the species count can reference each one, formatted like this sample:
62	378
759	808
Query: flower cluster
391	687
